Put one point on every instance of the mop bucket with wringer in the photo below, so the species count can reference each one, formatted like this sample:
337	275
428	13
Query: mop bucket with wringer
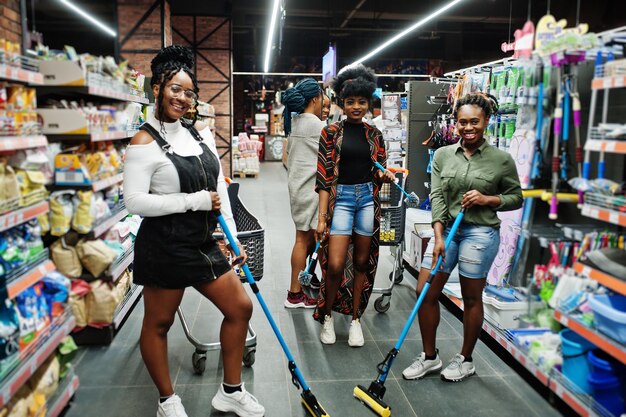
252	237
575	365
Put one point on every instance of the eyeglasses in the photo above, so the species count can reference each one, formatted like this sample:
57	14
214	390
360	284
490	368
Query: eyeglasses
176	90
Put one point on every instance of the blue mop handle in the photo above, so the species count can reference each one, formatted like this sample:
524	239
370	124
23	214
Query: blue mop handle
382	168
266	310
405	331
314	256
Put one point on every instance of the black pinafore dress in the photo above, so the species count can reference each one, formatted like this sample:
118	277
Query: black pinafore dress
179	250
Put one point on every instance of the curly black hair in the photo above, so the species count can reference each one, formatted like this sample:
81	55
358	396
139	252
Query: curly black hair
487	102
354	81
168	62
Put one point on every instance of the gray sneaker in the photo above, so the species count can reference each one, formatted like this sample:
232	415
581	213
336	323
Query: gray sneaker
458	370
422	367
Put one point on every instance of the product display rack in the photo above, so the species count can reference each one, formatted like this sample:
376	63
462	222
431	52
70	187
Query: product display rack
603	278
100	185
605	215
127	305
584	405
14	143
29	278
30	359
117	269
102	227
22	215
66	390
10	73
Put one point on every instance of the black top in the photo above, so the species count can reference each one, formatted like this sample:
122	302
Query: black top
355	166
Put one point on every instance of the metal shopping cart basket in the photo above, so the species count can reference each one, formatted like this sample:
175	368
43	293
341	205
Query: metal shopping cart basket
252	236
392	221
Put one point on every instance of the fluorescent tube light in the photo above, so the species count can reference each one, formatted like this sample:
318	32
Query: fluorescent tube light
270	36
407	31
89	17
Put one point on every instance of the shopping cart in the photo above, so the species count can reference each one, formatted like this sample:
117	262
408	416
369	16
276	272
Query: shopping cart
252	236
392	220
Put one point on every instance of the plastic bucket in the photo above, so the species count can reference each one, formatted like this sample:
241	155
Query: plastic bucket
575	365
607	391
602	364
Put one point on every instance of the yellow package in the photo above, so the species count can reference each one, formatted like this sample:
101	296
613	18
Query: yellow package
44	224
61	212
9	188
32	187
82	221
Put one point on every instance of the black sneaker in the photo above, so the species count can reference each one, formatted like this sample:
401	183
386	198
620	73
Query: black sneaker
315	283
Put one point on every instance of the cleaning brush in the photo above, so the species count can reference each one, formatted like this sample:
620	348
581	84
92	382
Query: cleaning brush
411	200
304	277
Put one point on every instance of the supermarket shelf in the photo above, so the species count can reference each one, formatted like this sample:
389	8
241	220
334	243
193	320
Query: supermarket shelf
127	305
32	276
62	398
582	404
613	146
10	73
104	226
610	346
107	182
23	215
32	359
608	82
14	143
605	279
117	269
107	93
599	213
96	137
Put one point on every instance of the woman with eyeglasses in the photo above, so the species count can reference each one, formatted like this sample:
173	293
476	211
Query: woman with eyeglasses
306	102
173	178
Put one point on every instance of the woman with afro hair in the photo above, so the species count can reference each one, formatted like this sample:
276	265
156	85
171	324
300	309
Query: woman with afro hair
173	178
349	208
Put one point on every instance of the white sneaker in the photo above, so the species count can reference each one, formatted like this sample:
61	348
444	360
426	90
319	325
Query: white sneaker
241	403
458	370
327	336
172	407
355	337
422	367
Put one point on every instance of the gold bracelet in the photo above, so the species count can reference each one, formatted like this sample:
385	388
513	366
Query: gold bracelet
324	215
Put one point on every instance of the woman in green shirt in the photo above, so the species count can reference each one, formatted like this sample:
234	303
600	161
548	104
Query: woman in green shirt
483	180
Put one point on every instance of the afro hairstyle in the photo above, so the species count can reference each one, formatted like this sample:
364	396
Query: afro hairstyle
354	81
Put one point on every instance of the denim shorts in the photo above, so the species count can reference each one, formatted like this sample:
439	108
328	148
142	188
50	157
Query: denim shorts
474	248
354	210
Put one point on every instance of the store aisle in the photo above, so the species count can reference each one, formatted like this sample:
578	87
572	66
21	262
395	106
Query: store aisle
115	383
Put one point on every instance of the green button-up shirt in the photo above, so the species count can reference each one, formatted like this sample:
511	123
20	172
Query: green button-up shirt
489	171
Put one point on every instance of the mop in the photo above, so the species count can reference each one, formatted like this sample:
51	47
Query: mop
304	277
308	399
558	124
411	200
372	397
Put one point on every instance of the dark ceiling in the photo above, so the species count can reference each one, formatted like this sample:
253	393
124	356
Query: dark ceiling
469	33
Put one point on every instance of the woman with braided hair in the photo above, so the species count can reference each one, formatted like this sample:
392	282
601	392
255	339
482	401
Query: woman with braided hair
482	179
306	99
173	178
349	207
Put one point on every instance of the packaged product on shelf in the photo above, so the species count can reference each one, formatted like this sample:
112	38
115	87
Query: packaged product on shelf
101	303
65	257
78	294
9	188
84	211
9	331
35	159
32	187
20	246
118	233
61	212
46	380
42	320
70	168
56	290
21	404
95	256
66	353
28	313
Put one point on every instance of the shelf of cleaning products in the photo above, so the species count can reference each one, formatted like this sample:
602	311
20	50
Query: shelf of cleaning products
127	305
611	146
14	143
107	182
616	284
610	346
34	355
583	405
10	73
66	390
117	269
605	215
29	278
19	216
102	227
604	83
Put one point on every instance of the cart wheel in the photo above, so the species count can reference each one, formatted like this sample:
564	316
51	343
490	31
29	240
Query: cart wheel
198	361
381	306
249	356
399	276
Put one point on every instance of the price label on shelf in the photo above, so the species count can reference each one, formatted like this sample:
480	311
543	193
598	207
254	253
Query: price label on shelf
11	220
595	213
607	82
610	146
564	320
614	218
14	73
619	82
586	271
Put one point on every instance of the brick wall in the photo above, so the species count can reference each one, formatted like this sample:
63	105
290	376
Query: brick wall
148	35
212	68
10	21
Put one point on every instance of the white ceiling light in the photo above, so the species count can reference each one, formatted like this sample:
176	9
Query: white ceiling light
407	31
270	36
89	17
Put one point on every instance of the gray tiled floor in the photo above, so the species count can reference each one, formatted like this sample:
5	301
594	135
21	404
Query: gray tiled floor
114	381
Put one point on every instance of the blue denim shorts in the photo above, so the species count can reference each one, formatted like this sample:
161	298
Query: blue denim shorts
474	248
354	210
